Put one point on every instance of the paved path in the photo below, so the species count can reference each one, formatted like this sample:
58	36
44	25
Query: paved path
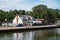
28	27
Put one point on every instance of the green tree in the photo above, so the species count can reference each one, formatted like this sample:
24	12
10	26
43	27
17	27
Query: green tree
52	15
40	11
22	12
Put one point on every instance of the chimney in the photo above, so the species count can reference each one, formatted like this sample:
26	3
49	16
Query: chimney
17	18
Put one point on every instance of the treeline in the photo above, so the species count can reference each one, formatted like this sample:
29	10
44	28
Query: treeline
50	15
9	15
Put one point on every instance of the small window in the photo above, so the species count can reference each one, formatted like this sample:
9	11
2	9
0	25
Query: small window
29	18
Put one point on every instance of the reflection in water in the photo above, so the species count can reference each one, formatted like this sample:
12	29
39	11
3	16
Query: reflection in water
23	36
17	36
28	35
58	31
6	36
47	34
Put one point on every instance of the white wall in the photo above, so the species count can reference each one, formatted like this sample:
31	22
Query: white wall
14	22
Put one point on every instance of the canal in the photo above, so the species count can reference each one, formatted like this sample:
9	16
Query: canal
45	34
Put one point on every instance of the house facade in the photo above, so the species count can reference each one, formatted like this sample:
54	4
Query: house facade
25	20
7	23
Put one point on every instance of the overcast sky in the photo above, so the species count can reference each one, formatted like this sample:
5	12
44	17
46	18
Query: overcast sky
27	4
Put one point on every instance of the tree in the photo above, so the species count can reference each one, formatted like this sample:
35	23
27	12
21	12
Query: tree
40	10
50	15
53	15
2	15
22	12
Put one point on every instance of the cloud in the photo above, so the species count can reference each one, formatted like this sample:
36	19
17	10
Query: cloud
9	4
26	4
50	3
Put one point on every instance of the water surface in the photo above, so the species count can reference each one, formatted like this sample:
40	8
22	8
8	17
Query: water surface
46	34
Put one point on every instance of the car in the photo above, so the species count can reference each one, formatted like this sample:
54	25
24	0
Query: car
19	25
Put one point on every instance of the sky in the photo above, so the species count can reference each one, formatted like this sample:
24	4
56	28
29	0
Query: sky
27	4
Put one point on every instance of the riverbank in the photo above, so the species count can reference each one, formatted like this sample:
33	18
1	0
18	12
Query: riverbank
26	28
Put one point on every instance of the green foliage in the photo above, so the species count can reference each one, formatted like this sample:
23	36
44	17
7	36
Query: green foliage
42	11
22	12
38	11
9	15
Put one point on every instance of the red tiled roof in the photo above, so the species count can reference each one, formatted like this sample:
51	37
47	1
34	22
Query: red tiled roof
39	19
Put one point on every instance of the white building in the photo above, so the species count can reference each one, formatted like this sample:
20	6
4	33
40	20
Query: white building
6	23
22	19
17	20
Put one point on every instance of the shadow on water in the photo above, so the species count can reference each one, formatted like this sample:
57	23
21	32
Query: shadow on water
45	34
